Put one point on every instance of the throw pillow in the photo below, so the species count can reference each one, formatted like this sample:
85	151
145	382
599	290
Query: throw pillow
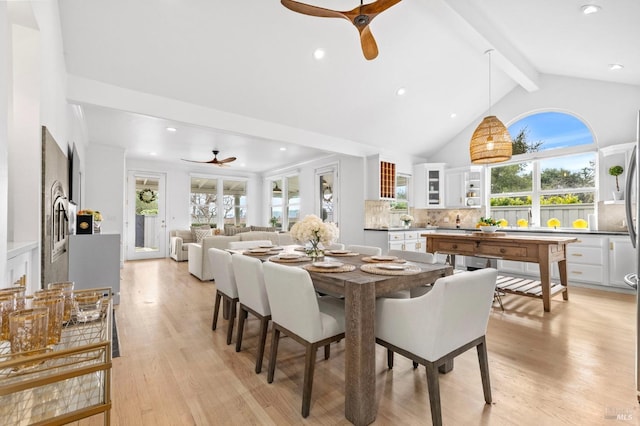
233	231
201	233
198	226
263	228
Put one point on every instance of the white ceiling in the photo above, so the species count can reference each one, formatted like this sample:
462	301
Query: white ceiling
252	60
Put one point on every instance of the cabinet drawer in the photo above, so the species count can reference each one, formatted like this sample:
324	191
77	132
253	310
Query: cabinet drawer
396	236
586	273
411	235
503	251
584	255
455	247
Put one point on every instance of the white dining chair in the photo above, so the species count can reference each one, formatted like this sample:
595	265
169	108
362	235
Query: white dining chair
225	287
334	246
242	245
253	298
365	250
412	256
435	328
298	313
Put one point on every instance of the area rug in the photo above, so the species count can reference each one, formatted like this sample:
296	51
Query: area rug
115	345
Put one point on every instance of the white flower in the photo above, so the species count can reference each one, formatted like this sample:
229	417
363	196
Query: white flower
313	228
406	218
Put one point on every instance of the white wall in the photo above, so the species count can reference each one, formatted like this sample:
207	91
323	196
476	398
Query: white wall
5	118
609	109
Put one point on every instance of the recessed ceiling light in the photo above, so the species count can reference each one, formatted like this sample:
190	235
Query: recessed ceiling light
401	91
453	115
588	9
615	67
319	53
243	164
153	154
171	129
283	149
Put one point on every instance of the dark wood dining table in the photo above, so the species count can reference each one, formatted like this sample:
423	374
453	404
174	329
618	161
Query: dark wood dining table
360	290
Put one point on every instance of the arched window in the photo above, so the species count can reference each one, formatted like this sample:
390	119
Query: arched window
551	176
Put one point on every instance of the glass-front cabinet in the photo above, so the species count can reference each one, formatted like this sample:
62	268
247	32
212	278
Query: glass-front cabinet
429	185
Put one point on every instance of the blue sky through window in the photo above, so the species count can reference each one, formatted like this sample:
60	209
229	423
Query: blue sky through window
554	129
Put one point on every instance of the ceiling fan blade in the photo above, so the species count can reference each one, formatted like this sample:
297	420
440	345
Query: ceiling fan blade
227	160
307	9
368	43
194	161
372	9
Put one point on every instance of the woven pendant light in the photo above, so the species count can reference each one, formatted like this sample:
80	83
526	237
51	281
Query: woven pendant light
491	142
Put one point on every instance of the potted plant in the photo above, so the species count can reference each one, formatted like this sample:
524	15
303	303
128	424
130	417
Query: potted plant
616	171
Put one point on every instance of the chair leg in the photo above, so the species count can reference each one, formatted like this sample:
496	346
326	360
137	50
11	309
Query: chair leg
216	309
415	365
275	339
232	319
242	315
484	370
497	296
389	359
264	328
434	394
327	351
309	365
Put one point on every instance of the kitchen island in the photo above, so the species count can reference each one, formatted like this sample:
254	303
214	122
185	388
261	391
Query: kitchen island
542	250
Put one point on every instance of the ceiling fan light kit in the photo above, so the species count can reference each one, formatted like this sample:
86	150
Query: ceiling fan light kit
491	141
360	17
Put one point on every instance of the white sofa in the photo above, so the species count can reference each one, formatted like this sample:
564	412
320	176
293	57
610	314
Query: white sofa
199	262
180	240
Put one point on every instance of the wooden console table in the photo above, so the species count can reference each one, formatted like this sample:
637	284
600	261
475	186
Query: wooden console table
523	248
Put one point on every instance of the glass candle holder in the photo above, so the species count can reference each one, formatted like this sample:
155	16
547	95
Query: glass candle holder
7	305
67	292
88	306
19	294
28	329
55	304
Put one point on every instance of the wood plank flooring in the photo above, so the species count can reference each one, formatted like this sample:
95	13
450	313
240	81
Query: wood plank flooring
572	366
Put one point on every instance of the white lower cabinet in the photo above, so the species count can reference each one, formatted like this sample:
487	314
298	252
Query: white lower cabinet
622	260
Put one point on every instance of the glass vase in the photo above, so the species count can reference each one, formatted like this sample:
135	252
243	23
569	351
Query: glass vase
314	250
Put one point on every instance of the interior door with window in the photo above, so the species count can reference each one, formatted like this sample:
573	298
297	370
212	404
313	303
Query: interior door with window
146	222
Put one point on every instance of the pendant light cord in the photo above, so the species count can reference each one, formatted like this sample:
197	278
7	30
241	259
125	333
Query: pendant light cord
488	52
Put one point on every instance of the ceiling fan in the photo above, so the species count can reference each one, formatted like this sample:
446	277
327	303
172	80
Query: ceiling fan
361	17
220	163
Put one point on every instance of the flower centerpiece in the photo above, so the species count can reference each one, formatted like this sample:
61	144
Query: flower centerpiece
487	224
406	219
315	233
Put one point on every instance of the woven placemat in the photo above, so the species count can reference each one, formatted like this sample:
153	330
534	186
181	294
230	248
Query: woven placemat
332	254
343	268
296	260
374	269
372	260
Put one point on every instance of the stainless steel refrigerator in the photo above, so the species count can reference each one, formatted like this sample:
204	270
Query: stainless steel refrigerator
632	198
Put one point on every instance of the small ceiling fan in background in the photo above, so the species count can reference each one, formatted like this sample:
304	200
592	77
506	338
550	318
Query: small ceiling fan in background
361	17
220	163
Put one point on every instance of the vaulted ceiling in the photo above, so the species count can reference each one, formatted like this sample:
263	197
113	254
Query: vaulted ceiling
240	76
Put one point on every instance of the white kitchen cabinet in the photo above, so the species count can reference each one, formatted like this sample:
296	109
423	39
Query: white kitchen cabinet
622	260
381	178
429	185
405	240
454	195
473	187
94	261
22	265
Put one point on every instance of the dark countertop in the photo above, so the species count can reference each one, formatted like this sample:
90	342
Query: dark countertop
509	229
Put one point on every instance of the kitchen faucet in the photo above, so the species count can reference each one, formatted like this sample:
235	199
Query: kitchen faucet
530	218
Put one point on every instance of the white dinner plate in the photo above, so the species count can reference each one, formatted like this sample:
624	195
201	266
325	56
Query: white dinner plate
339	251
387	258
327	264
289	256
390	267
267	246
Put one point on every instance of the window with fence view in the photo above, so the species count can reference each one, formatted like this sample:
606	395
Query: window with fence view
551	180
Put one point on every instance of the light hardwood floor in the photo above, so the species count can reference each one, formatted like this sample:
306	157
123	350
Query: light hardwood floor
572	366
